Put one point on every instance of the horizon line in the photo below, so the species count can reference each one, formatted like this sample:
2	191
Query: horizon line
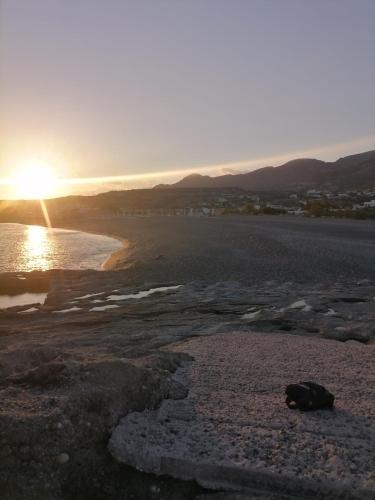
255	163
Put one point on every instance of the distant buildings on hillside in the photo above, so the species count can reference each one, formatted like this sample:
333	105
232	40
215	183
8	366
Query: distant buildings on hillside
194	203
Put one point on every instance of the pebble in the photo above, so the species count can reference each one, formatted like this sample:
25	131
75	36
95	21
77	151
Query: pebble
63	458
155	489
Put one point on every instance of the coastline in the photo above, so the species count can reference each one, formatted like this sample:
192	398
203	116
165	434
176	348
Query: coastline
16	283
181	249
115	260
77	368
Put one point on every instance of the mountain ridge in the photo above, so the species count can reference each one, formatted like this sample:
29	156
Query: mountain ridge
355	171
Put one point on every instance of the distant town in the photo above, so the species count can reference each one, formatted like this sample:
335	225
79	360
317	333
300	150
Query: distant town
194	202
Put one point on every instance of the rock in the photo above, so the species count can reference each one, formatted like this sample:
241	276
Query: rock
350	299
300	304
175	390
359	332
251	315
356	344
45	374
23	359
117	364
328	324
332	312
63	458
364	282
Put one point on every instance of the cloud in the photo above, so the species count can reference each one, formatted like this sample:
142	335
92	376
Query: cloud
232	171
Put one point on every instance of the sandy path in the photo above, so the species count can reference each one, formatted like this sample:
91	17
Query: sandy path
235	431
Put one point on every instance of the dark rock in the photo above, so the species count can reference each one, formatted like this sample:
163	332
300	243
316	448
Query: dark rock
350	299
48	373
24	359
359	332
175	390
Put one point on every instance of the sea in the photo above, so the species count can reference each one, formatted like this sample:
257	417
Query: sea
28	248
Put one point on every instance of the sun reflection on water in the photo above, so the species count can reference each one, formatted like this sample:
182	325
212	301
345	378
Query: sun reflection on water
38	248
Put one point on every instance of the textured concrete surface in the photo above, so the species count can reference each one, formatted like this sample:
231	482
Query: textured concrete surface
234	431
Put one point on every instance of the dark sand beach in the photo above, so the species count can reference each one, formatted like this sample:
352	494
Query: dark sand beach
94	353
245	249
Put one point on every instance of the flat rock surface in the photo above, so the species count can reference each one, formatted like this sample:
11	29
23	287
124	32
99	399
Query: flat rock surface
97	349
235	431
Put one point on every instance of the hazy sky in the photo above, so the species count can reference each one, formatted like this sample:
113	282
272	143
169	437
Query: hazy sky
116	87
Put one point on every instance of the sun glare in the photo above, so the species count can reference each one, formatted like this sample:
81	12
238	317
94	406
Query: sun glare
38	248
35	181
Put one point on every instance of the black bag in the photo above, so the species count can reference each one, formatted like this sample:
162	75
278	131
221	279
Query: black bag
308	396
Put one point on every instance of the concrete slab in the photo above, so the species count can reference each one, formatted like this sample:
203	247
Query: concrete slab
235	432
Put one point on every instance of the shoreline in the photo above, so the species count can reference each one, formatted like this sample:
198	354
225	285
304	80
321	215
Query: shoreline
14	283
114	258
177	250
110	263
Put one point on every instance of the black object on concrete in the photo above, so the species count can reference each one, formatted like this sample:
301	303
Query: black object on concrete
308	396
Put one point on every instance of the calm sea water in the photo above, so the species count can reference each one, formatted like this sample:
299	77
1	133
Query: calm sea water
27	248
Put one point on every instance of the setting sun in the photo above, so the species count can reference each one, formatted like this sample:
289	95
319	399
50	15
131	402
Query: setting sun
35	181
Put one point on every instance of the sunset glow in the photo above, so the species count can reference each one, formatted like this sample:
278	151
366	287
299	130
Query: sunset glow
34	181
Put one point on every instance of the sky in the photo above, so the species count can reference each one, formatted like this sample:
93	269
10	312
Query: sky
151	90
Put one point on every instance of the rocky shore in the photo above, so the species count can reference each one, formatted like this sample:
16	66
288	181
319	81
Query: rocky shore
72	368
107	345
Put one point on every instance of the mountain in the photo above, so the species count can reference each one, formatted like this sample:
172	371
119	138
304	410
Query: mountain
351	172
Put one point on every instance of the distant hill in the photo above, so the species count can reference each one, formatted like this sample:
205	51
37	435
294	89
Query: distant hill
351	172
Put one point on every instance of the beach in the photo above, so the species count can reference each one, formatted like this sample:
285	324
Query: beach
242	248
98	350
